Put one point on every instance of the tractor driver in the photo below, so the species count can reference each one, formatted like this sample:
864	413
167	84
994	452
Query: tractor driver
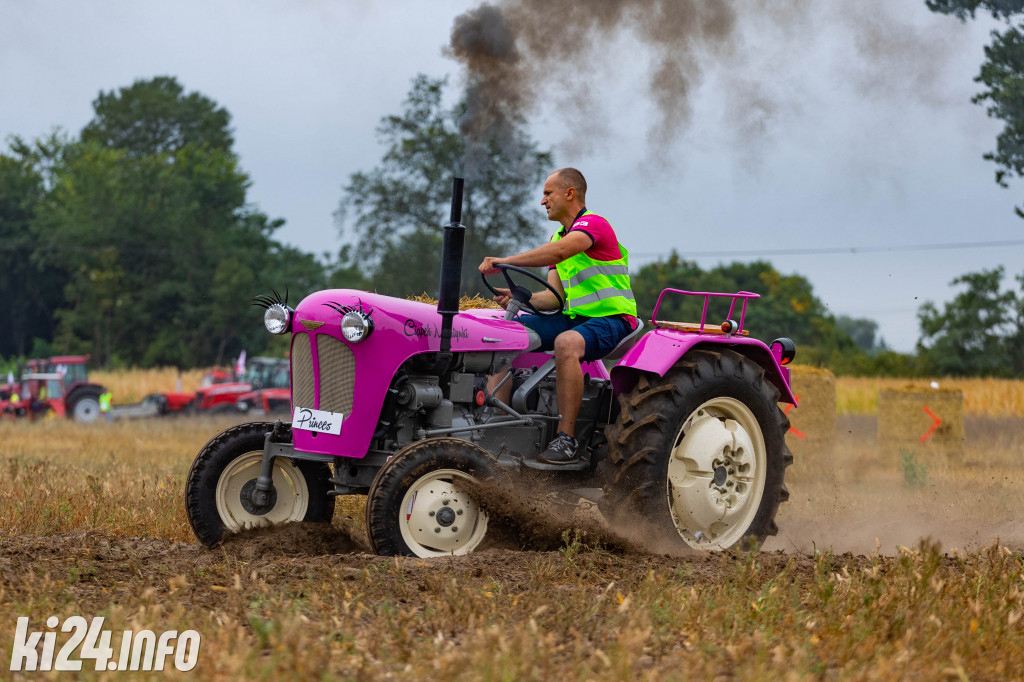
590	268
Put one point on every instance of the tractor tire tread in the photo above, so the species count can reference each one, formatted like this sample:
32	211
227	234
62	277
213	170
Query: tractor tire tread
639	441
201	482
404	468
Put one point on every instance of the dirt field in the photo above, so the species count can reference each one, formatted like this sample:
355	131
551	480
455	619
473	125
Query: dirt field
886	566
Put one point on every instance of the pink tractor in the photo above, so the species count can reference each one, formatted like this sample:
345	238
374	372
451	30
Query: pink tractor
683	437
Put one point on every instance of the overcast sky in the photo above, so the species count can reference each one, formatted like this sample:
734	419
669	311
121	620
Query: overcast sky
821	135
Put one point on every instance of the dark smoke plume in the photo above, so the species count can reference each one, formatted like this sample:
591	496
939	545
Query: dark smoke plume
484	42
521	53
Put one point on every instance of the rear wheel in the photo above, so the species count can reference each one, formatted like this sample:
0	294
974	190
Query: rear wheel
219	487
86	408
700	455
423	501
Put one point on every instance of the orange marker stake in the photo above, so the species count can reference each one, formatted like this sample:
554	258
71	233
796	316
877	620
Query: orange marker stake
786	412
932	427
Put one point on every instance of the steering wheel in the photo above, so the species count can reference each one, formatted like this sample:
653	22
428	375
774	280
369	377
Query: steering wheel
520	294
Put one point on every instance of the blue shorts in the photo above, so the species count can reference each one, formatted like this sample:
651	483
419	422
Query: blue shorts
601	334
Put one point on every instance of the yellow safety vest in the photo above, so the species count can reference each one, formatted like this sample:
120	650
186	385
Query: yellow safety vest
596	288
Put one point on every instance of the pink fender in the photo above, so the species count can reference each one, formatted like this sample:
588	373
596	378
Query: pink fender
659	350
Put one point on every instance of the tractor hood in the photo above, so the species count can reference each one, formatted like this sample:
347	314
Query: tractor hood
331	373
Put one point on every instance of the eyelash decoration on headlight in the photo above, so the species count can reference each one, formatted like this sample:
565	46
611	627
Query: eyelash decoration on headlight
265	301
342	309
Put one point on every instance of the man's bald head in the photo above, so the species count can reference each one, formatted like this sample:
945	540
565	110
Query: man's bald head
570	177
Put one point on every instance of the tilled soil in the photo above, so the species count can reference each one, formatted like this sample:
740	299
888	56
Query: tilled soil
114	570
849	512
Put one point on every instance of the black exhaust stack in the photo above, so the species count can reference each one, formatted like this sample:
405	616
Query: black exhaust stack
451	274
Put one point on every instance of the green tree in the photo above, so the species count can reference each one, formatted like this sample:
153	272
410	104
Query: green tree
1002	74
396	210
787	307
30	291
147	219
156	116
977	333
1000	9
863	332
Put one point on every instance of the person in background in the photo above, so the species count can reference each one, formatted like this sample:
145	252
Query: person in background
13	400
40	400
106	399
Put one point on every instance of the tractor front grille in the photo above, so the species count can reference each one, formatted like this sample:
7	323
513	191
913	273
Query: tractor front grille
303	384
337	374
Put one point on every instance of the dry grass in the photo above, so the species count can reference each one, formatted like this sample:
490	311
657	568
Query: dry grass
132	385
858	495
578	616
123	479
76	501
989	397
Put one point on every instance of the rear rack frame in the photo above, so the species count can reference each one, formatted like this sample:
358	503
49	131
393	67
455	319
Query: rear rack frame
742	295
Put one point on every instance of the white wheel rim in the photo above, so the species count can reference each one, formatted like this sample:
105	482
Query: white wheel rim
86	410
438	517
289	485
716	474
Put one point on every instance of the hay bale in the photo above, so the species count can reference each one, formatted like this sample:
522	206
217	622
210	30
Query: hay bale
811	435
465	303
905	420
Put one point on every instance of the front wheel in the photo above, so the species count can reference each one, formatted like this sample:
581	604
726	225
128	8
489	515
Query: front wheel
700	453
422	502
219	487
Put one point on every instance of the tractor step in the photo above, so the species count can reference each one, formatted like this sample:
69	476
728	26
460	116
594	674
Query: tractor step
581	464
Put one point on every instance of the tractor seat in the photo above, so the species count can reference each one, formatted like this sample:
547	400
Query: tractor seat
626	343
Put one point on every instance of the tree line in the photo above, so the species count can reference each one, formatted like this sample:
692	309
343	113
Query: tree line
135	242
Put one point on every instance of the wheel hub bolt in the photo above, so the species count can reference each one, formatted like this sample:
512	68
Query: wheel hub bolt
437	530
455	529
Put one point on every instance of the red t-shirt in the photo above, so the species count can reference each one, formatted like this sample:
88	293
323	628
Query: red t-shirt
604	244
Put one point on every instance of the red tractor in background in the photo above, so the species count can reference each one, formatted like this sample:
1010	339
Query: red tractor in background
40	395
267	400
68	389
177	402
263	386
261	374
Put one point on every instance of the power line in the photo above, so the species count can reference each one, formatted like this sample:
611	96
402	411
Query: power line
847	250
820	251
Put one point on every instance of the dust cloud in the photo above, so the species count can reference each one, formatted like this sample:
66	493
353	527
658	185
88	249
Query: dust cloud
849	496
521	54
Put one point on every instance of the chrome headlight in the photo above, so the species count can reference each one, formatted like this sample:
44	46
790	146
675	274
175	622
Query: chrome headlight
278	318
355	326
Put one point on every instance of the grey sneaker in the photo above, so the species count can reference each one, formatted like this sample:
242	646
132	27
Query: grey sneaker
562	450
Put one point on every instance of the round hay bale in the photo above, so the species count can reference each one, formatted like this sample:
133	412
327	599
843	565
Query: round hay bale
921	418
812	422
